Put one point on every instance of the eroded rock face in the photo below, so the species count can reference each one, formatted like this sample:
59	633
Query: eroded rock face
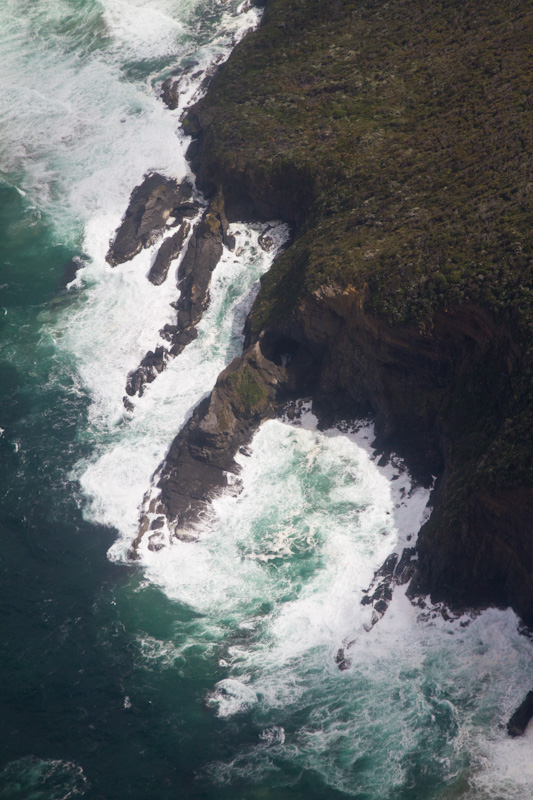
150	206
169	250
248	391
170	93
471	553
194	277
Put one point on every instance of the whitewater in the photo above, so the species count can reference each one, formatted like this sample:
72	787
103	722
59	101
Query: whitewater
231	640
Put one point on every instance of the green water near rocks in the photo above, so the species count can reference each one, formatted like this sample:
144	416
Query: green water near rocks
208	670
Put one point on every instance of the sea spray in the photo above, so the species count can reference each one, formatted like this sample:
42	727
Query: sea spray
210	671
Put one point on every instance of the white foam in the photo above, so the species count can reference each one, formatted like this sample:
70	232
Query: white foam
75	136
278	577
109	328
231	697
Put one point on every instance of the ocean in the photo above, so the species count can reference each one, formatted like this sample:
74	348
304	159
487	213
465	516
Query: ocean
206	669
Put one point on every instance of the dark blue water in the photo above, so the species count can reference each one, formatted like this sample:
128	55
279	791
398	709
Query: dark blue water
207	670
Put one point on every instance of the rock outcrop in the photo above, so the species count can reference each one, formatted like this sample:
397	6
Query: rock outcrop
408	288
150	206
521	717
248	391
203	253
169	250
170	93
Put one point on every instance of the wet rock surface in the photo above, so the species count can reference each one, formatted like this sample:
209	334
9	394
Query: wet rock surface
170	93
521	717
201	457
203	253
150	206
169	250
395	571
152	364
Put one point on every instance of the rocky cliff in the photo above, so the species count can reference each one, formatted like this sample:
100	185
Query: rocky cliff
396	139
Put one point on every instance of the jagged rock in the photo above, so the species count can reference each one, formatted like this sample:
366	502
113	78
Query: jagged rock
169	250
194	276
342	662
184	211
181	340
149	208
202	256
170	93
152	364
396	570
520	719
202	454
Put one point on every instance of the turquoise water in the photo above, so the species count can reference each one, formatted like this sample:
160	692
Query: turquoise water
208	669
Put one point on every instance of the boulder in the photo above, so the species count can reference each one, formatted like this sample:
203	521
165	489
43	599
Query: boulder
520	719
149	208
170	93
152	364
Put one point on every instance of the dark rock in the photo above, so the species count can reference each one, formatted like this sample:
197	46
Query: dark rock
185	211
202	256
185	192
406	566
155	542
152	364
202	454
396	570
182	339
194	276
128	405
265	242
168	332
169	250
342	662
521	717
70	270
149	208
170	93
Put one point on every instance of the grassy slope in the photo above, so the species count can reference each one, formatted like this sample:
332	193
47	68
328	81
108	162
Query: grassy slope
410	126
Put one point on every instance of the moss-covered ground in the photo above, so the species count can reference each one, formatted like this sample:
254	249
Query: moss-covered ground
406	128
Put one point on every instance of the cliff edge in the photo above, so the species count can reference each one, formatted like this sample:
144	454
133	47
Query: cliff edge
396	139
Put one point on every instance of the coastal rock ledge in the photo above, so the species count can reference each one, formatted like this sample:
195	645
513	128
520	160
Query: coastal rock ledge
407	290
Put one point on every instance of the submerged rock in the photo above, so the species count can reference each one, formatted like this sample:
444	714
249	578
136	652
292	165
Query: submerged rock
70	270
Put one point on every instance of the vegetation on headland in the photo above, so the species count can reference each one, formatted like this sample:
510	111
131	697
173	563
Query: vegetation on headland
403	132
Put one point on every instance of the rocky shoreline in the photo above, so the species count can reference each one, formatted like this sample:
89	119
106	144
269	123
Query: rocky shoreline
445	391
446	388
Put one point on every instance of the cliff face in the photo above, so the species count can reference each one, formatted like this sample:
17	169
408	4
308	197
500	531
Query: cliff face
396	139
